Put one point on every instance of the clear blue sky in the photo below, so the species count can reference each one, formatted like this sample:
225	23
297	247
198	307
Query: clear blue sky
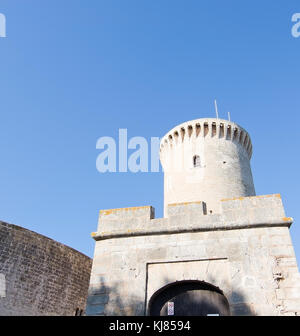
73	71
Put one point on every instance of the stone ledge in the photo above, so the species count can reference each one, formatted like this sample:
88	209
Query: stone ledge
237	213
172	230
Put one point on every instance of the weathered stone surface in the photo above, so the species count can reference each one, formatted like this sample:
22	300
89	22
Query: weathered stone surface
242	269
41	276
190	217
253	265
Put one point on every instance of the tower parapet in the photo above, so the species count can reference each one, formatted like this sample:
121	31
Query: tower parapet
206	160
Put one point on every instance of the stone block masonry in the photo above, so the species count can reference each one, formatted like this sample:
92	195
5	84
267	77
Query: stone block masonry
242	212
39	276
245	251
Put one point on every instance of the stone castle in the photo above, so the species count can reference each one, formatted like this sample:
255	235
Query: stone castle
219	249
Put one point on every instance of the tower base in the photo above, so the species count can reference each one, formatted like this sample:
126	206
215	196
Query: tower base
238	262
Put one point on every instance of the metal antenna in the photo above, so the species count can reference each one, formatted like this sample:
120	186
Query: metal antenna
229	116
216	108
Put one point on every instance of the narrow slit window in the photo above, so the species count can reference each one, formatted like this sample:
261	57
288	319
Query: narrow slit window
196	161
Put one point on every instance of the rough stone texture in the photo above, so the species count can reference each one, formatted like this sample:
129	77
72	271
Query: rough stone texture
236	213
39	276
246	251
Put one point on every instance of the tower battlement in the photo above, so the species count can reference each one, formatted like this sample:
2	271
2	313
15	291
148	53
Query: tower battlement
242	212
207	128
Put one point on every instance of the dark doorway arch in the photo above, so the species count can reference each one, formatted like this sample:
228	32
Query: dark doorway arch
188	298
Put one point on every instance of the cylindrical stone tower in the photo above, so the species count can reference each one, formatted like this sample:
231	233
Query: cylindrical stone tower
206	160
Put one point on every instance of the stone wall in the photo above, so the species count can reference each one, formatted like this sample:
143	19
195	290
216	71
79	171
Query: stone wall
39	276
245	251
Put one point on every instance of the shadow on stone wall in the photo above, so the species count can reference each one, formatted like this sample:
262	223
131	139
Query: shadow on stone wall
114	300
106	300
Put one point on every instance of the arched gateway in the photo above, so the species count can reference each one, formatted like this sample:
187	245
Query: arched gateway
188	298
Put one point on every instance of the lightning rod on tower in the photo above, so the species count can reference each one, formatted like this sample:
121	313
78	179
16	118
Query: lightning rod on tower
216	108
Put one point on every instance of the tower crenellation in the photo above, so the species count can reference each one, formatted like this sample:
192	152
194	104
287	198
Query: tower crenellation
207	127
